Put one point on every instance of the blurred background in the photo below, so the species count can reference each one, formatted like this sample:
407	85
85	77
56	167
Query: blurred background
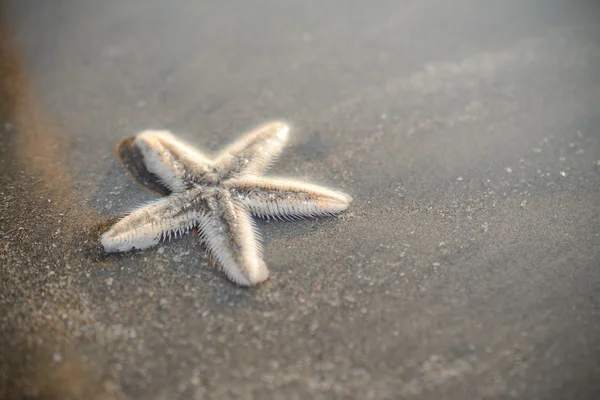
466	132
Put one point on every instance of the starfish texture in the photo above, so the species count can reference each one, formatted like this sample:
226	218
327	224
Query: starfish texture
218	196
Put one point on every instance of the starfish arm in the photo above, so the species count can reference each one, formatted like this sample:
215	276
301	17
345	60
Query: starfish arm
168	217
288	199
253	153
172	160
231	238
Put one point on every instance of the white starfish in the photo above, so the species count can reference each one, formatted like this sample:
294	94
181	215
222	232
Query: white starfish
217	196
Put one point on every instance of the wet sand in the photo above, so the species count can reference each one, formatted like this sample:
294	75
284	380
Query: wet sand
468	265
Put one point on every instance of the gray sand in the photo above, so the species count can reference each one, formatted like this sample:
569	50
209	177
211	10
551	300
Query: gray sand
467	267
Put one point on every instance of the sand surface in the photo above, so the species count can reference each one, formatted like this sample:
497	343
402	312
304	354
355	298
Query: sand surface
467	267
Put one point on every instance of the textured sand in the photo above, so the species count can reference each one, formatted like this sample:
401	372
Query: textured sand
468	266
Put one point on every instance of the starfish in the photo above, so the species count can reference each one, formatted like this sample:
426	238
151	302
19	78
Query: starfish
218	196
